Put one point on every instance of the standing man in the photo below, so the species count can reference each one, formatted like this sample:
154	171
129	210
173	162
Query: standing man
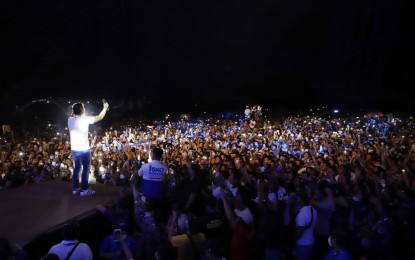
305	222
78	124
153	180
153	176
247	112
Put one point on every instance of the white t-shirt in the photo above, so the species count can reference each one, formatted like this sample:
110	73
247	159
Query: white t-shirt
153	171
247	112
153	174
82	251
78	130
303	219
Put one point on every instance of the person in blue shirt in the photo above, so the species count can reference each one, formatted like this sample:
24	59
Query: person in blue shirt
120	245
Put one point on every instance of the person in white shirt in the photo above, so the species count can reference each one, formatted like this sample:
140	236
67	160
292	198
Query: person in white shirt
78	125
70	246
247	112
305	222
153	176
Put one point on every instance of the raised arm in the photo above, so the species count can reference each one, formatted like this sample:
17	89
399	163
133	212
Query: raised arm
101	115
228	209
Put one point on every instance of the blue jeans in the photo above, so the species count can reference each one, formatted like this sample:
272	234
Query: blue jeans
82	159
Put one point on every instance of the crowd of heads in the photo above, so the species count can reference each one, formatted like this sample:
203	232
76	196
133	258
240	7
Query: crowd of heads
365	164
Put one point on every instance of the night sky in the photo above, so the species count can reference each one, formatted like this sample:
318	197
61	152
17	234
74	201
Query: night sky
211	54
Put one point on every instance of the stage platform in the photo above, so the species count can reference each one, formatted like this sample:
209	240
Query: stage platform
28	211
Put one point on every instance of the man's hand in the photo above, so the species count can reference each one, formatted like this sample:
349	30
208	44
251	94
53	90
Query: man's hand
105	104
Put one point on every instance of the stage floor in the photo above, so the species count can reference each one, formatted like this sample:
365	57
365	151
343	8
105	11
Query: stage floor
29	210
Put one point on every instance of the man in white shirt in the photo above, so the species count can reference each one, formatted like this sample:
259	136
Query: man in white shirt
70	246
305	222
247	112
78	125
153	176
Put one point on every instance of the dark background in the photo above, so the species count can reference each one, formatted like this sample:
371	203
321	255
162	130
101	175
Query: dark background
161	56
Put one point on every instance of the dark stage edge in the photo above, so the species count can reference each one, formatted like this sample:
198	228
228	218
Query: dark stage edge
28	211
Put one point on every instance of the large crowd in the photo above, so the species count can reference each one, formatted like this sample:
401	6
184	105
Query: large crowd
238	184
